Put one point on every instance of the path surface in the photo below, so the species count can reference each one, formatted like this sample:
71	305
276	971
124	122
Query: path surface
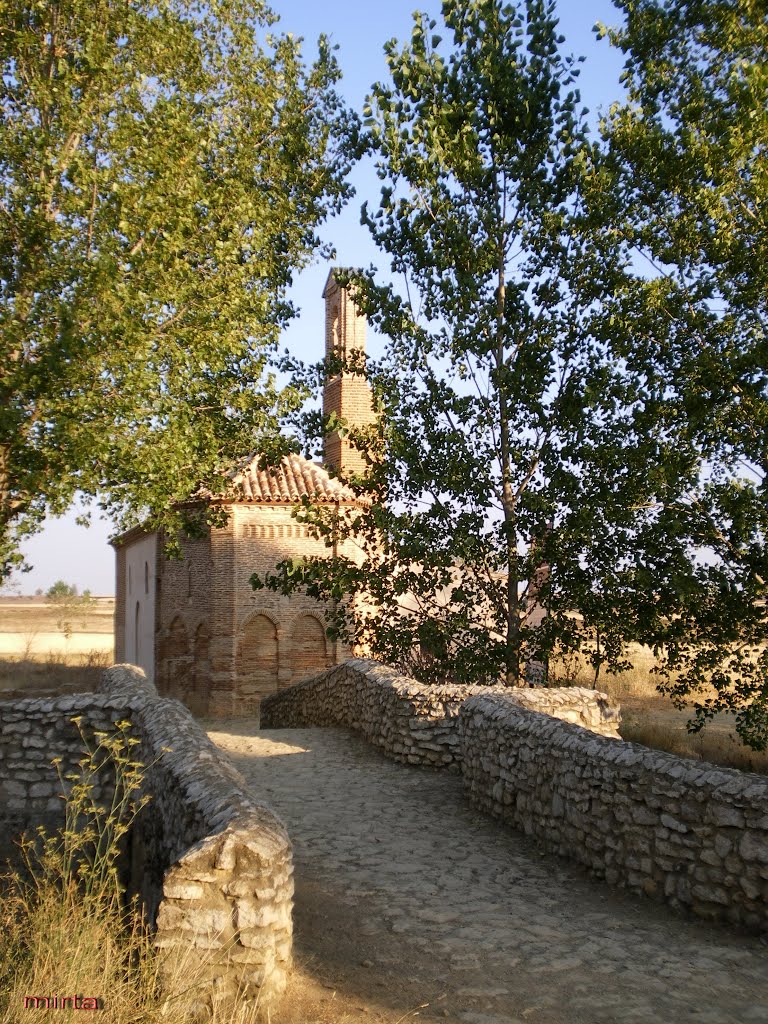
406	896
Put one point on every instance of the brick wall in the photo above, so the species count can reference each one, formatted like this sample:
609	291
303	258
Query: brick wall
277	640
347	394
185	589
221	646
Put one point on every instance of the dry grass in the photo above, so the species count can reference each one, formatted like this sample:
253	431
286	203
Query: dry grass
33	631
651	719
572	670
655	723
52	676
58	947
36	659
54	945
66	929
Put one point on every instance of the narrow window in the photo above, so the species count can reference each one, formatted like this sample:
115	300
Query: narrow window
136	632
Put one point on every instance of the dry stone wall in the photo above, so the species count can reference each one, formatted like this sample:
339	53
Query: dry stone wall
126	681
411	722
229	886
213	864
683	831
32	733
551	763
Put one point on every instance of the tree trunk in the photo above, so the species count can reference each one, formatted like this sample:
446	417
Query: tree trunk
512	659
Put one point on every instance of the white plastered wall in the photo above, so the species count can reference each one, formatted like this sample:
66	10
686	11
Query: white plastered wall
140	585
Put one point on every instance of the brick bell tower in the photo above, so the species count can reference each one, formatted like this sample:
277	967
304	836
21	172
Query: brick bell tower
346	393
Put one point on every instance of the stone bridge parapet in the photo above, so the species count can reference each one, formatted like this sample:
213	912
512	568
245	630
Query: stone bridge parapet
410	721
213	866
551	764
684	831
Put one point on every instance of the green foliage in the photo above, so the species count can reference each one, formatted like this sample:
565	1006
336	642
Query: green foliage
573	397
683	188
508	439
164	168
61	590
71	605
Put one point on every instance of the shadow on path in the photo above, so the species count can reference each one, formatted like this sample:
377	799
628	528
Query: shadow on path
406	896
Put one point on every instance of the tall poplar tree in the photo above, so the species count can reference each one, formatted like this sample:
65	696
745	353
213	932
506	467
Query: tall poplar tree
508	475
573	398
684	190
164	168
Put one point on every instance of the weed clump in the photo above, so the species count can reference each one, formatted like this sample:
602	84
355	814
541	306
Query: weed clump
69	933
70	938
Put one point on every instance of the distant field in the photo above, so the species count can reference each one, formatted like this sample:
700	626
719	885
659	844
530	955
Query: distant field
652	720
32	615
41	646
36	656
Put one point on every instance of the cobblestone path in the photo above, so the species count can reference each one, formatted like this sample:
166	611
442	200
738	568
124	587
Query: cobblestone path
406	896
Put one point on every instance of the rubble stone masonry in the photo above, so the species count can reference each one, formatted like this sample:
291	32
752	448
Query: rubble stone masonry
411	722
551	763
213	866
683	831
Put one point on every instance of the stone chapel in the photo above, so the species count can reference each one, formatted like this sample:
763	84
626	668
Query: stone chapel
195	625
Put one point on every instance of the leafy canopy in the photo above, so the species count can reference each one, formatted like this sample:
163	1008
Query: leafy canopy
510	472
684	188
70	605
61	591
573	397
164	168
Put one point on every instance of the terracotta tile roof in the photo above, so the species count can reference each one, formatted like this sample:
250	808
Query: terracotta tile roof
291	480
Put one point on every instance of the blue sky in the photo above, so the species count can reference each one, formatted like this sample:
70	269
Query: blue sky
83	556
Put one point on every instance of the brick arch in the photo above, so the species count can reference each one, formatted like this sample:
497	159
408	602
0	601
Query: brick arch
176	660
201	671
257	659
308	647
178	643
